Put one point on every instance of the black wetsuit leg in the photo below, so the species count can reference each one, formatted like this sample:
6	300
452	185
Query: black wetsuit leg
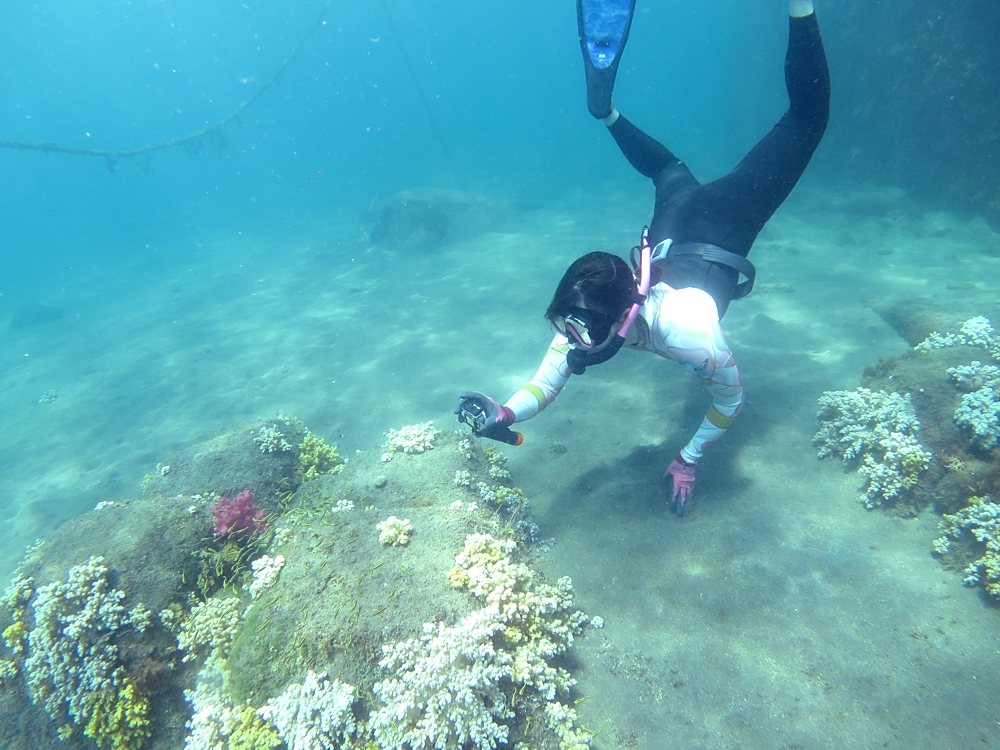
651	158
731	211
760	183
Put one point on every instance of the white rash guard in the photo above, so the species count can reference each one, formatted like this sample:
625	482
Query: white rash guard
678	324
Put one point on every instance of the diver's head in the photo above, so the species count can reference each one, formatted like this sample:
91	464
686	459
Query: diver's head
592	296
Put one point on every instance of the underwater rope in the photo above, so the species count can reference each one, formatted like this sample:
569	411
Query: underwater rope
192	140
445	151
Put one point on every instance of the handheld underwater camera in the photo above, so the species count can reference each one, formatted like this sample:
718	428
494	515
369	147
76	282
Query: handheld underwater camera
473	414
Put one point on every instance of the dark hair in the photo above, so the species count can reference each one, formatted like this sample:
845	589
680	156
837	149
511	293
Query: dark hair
604	282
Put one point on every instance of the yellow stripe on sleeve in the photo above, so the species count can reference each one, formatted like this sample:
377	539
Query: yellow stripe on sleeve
535	391
719	419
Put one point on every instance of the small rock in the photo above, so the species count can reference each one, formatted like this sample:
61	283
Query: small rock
381	481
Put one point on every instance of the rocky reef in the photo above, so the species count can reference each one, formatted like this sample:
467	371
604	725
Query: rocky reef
945	393
265	593
429	218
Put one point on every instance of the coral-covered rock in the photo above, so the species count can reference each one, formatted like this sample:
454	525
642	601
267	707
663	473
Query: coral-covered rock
426	219
233	461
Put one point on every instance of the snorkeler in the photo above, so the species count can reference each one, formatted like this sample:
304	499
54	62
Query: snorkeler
688	262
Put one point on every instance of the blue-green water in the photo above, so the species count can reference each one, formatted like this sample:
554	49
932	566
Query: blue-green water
189	292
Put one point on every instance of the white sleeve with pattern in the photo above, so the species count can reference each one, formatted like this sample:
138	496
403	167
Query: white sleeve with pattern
684	326
552	375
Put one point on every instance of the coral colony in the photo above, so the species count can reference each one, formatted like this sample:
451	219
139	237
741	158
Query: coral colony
979	412
394	531
414	438
238	517
67	638
981	519
878	428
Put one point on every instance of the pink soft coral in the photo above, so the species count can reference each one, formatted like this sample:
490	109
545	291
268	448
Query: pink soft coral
238	517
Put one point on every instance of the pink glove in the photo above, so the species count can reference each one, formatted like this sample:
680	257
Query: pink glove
683	475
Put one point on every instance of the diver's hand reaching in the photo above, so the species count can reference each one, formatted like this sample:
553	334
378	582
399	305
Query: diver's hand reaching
487	414
682	474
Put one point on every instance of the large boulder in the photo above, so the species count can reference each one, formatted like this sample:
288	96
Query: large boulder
428	219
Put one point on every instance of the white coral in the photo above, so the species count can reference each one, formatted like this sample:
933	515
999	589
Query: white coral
982	521
394	531
16	598
343	505
265	573
71	658
539	622
975	375
213	714
445	690
562	720
210	626
979	411
498	464
209	629
975	332
879	427
414	438
851	422
271	440
315	715
902	459
106	504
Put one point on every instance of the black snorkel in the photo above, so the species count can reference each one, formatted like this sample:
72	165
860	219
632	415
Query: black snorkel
577	359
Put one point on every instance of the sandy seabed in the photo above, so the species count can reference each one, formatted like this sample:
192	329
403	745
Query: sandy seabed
777	613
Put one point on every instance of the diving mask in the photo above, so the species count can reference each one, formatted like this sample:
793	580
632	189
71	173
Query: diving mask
584	328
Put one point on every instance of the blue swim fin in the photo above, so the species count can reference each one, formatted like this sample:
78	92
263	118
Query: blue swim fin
604	27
